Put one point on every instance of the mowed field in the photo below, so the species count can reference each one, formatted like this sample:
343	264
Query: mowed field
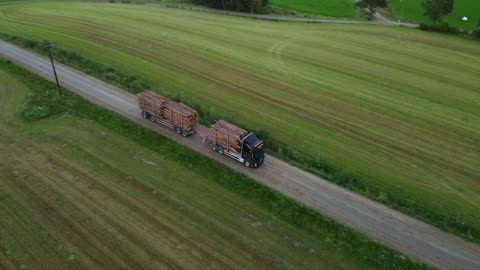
75	195
331	8
412	10
397	108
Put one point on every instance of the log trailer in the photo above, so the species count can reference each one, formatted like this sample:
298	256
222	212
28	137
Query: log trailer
223	137
174	115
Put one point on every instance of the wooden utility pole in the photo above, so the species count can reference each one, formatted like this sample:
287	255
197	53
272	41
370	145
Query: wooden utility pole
54	71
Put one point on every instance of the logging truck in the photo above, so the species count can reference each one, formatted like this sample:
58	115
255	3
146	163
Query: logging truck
223	137
234	142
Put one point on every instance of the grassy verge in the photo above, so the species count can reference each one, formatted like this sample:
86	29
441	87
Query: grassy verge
279	149
41	104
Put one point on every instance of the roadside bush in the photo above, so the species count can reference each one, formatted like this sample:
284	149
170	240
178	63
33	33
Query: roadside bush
111	76
39	106
136	87
35	113
263	134
5	61
441	27
251	6
445	28
30	43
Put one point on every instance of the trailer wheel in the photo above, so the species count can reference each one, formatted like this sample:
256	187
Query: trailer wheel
152	118
221	150
185	133
214	147
178	130
247	163
145	114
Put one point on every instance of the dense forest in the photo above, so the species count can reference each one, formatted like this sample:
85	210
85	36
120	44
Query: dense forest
253	6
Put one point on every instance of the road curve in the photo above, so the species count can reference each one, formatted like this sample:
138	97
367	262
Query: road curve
398	231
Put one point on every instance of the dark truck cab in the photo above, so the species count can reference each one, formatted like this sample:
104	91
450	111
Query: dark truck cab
237	143
253	151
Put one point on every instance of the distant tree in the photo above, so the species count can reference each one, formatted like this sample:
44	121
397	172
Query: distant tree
248	5
436	9
252	6
371	5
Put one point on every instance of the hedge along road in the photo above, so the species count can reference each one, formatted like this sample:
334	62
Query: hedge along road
400	232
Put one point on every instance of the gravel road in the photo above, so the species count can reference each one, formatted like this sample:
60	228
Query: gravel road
398	231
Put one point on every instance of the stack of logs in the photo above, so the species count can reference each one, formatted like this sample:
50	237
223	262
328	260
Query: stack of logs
227	135
178	114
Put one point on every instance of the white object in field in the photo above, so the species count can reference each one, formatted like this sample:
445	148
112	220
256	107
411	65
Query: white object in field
465	19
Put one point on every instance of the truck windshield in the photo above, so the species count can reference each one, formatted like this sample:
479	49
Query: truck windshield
254	143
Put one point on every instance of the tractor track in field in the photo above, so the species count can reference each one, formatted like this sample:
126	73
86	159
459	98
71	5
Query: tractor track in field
392	228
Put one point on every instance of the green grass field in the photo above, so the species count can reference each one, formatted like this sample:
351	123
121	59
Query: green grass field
396	108
412	10
80	190
330	8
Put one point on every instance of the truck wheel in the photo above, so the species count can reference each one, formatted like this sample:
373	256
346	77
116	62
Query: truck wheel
185	133
247	163
152	118
214	147
178	130
221	150
145	114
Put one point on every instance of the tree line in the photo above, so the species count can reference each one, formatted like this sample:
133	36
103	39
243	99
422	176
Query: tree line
252	6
